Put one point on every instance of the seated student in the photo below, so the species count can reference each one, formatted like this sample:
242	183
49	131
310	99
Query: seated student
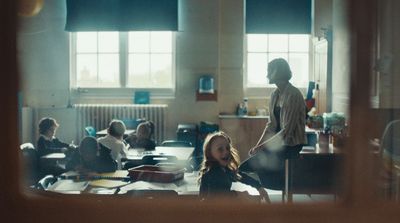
47	142
91	157
142	138
114	140
220	168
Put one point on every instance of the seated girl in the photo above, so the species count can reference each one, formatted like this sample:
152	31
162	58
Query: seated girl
47	142
220	168
91	157
142	138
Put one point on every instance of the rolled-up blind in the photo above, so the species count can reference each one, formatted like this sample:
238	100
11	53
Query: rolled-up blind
122	15
278	16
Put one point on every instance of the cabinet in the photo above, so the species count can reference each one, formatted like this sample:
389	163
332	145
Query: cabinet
244	131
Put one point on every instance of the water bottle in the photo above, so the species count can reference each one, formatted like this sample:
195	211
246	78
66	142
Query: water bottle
245	106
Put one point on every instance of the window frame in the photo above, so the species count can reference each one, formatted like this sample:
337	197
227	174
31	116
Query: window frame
122	92
265	91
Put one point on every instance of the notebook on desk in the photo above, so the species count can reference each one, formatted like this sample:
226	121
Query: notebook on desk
69	186
110	183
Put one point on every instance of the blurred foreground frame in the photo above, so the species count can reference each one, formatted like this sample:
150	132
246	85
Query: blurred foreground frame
358	200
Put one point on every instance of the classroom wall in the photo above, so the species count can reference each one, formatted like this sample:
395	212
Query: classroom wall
322	16
210	41
341	57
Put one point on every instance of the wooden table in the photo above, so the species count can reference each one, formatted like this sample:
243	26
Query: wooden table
315	171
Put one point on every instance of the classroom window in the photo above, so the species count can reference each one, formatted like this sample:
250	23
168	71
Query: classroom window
262	48
129	60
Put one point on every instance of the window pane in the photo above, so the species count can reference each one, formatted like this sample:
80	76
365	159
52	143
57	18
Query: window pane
86	70
139	42
108	42
299	43
139	70
272	56
161	70
278	43
86	42
109	70
257	43
257	69
300	69
160	42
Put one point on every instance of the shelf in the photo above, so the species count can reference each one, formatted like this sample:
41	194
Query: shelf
206	96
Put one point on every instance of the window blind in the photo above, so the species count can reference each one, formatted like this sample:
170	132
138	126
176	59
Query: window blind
122	15
278	16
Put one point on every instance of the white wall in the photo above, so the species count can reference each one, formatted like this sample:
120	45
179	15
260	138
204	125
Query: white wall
341	57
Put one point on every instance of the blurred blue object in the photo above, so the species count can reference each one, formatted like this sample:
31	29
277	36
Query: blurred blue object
206	84
90	131
311	87
311	139
142	97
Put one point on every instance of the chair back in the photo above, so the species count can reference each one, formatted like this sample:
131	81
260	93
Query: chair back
132	123
390	161
46	182
176	143
90	131
30	163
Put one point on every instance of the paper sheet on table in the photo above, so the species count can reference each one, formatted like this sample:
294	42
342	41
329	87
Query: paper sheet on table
68	185
110	183
143	185
237	186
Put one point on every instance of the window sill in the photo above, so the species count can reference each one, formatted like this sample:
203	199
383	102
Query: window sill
107	94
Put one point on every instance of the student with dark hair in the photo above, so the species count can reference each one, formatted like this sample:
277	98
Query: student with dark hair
91	157
114	140
142	138
48	142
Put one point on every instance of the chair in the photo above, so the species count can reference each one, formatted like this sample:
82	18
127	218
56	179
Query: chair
90	131
389	180
132	123
46	182
30	163
176	143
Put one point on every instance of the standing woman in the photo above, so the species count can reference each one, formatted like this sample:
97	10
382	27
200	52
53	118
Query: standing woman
284	136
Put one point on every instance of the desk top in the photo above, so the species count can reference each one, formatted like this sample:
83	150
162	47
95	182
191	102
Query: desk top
103	132
187	186
55	156
181	153
318	150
